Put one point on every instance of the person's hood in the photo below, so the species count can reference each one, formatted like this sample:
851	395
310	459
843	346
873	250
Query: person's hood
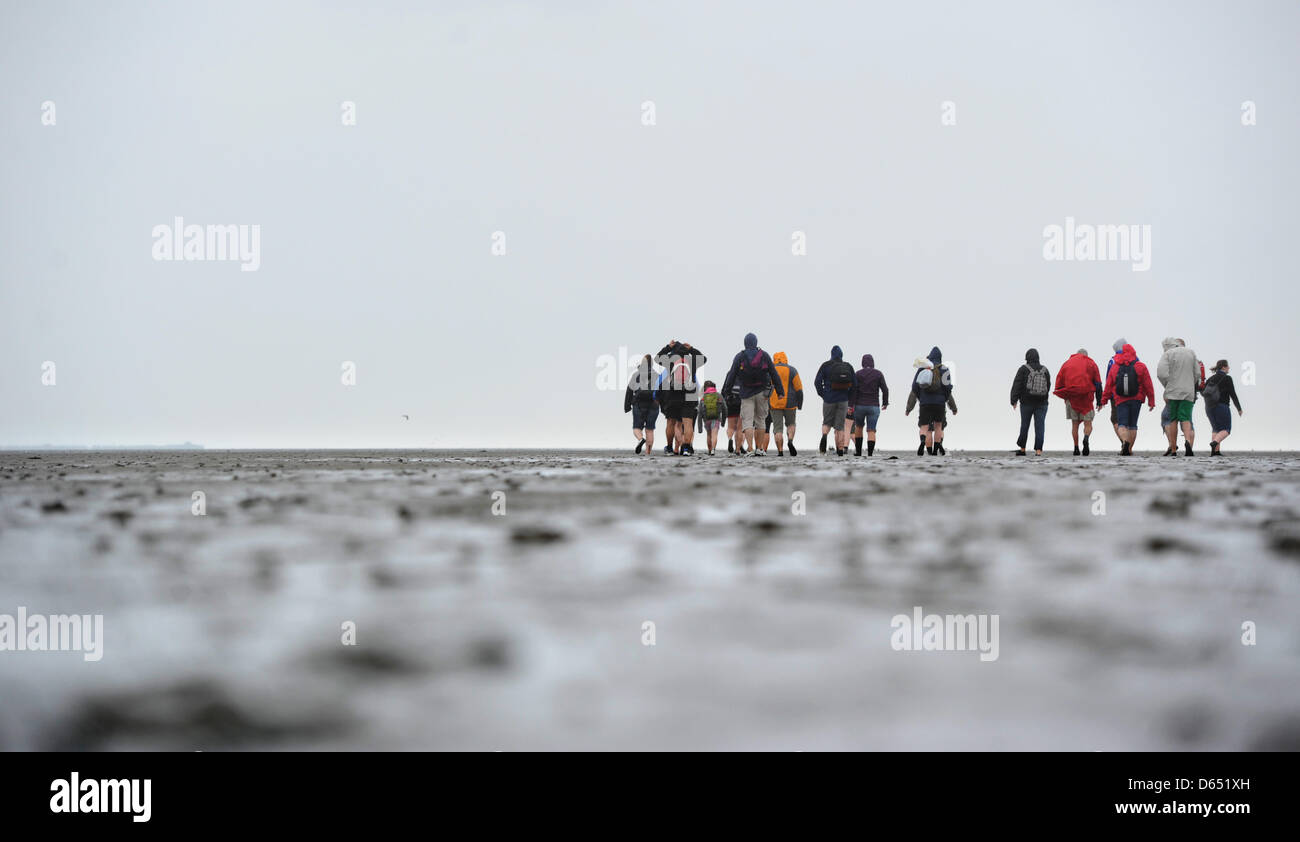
1118	347
1031	356
922	362
1168	343
1126	355
751	342
710	389
781	358
936	356
837	353
868	361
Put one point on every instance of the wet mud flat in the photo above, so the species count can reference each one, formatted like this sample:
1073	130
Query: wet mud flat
500	600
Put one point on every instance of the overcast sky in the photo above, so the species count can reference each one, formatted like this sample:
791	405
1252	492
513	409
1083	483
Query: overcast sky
376	239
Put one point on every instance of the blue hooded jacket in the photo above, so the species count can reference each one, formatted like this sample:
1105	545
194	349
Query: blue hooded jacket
941	371
822	382
745	358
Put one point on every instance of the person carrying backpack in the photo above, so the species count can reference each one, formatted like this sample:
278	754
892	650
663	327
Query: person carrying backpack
1127	385
834	383
868	398
1078	383
1031	388
1118	348
782	408
753	370
712	414
932	389
1219	389
639	400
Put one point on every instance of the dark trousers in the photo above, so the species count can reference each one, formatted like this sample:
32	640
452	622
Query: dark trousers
1037	412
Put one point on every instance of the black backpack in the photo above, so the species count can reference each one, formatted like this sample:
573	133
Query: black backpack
1126	381
1211	391
753	371
840	377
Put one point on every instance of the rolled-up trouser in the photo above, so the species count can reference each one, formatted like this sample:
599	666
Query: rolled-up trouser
753	411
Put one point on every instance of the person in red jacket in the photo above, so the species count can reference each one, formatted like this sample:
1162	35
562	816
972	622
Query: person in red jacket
1078	383
1128	383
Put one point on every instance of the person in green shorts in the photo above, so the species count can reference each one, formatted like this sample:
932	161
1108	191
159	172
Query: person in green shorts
1179	371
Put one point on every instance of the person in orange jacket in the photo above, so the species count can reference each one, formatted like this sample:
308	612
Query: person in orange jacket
783	407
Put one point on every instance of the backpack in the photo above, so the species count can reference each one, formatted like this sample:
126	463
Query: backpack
924	378
840	377
1126	381
1036	382
1211	391
753	372
936	381
709	405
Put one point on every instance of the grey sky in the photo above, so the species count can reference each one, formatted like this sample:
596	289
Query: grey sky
478	117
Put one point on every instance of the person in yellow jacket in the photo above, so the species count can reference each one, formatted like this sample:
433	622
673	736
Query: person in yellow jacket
783	407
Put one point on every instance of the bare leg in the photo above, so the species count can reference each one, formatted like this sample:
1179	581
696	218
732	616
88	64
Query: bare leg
1189	433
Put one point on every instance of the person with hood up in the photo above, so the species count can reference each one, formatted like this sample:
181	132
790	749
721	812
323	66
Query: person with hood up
932	389
867	399
1128	383
782	408
1219	389
1031	387
1078	383
1117	348
639	400
833	383
755	373
1179	371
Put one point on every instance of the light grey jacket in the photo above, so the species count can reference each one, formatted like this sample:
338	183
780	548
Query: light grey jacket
1179	371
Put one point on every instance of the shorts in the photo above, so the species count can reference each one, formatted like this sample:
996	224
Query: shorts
1127	414
710	426
934	413
753	411
834	414
782	418
865	417
1220	416
672	411
1073	414
1179	410
644	418
688	411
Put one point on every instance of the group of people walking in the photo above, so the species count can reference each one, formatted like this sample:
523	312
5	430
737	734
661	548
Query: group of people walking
761	395
1126	386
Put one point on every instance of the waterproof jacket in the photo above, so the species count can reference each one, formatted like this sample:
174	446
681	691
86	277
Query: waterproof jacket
1179	371
925	398
792	396
1019	388
752	358
869	388
640	388
1078	383
822	382
1146	391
